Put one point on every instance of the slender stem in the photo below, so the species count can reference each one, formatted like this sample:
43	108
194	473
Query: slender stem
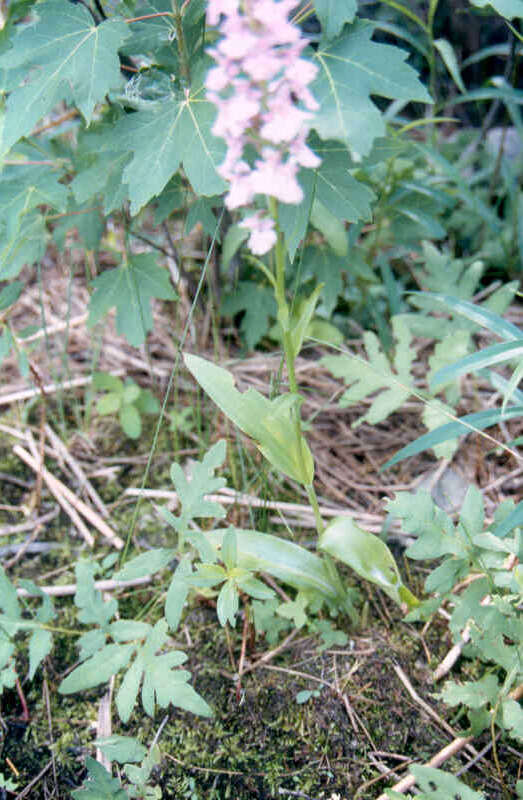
313	500
283	308
288	347
185	68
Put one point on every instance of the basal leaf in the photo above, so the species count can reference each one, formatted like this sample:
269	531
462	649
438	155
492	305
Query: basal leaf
65	56
333	14
367	555
351	68
284	560
126	630
130	288
109	403
128	691
202	481
93	608
131	392
434	531
512	718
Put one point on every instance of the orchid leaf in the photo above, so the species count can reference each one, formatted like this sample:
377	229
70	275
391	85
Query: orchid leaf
367	555
269	422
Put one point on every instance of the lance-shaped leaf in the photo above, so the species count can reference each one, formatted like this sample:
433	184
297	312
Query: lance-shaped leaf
470	422
496	354
65	56
130	288
284	560
367	555
351	68
270	423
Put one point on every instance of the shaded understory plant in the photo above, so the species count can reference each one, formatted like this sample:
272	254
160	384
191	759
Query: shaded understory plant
275	126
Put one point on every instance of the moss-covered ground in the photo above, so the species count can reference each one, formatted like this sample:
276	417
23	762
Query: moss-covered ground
357	729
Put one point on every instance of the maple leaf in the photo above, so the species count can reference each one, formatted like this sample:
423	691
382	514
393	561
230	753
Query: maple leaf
130	288
64	56
351	68
177	131
333	15
22	228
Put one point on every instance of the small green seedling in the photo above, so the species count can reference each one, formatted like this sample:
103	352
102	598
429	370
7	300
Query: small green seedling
305	695
182	421
127	400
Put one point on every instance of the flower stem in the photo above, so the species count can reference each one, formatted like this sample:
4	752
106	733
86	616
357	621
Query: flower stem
313	500
284	319
283	309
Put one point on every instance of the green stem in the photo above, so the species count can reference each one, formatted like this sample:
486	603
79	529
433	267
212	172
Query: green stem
284	318
185	68
313	500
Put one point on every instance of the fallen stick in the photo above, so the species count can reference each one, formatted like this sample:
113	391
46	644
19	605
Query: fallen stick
55	490
21	527
49	388
57	487
70	588
77	470
447	752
